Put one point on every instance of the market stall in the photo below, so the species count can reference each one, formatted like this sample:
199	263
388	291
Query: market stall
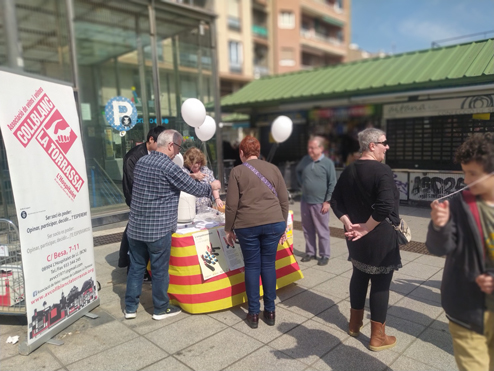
188	268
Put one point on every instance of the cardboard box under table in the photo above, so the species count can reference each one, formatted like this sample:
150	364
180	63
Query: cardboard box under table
194	294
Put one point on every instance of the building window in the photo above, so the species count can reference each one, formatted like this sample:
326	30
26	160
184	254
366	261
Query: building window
286	20
235	52
234	22
287	57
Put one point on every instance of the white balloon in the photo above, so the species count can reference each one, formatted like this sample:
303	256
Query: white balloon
207	129
281	129
179	160
193	112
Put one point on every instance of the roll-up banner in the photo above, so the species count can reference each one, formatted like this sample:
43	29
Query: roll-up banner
40	129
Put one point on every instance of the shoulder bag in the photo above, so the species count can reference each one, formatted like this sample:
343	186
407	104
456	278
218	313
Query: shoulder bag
402	230
263	179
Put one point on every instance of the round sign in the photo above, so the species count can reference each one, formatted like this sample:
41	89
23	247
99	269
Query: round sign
121	113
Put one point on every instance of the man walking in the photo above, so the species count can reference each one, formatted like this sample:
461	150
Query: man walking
153	218
129	162
317	176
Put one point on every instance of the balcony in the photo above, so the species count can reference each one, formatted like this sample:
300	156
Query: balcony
260	31
260	71
234	23
320	41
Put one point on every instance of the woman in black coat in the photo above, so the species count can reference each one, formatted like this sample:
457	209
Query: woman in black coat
366	200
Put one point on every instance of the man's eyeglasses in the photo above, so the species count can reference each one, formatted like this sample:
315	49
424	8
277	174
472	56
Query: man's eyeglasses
179	146
385	143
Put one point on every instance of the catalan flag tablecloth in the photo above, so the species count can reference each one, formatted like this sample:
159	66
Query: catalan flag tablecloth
193	294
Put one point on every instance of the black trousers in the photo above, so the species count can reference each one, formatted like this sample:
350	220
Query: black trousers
379	293
123	256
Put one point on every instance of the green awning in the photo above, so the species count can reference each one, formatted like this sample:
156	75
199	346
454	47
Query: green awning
333	21
451	66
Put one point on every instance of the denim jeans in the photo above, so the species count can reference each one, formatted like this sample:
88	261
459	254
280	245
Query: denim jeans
140	253
259	245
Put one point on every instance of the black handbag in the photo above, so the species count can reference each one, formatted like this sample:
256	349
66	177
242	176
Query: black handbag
403	231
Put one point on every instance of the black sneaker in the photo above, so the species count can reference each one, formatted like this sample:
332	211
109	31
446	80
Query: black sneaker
147	277
307	258
323	261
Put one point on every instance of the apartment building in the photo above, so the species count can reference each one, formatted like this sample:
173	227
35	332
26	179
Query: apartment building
262	37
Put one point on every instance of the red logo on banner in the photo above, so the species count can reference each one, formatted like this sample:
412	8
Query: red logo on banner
60	131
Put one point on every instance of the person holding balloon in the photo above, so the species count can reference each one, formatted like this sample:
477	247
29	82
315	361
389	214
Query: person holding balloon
195	165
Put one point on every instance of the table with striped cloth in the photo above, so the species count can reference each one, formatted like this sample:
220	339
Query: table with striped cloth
193	294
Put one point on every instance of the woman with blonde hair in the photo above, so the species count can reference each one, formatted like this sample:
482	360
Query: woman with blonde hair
195	165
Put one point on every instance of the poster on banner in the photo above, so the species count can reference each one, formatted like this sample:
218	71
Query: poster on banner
233	254
211	258
40	129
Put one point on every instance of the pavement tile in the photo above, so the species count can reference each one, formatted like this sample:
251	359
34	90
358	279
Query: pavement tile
83	343
265	333
407	256
441	323
309	304
336	317
308	341
419	270
336	265
434	348
351	355
429	293
41	359
289	291
167	364
404	284
434	261
267	358
218	351
197	327
406	364
132	355
337	286
230	316
313	277
416	310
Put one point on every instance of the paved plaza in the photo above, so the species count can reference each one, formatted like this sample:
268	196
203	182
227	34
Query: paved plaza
310	332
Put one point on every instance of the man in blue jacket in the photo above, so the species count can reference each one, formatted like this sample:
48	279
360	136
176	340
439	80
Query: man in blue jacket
463	230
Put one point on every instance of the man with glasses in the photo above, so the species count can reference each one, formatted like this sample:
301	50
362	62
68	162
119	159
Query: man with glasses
153	218
317	175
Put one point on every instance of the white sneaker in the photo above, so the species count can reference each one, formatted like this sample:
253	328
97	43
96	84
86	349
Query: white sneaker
130	315
170	312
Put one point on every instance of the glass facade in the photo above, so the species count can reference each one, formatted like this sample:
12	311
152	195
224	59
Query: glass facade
155	54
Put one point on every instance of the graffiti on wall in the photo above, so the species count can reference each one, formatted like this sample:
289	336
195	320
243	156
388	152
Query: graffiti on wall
429	186
401	181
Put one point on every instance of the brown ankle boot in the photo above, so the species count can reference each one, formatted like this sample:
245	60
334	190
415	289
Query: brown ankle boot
356	322
379	340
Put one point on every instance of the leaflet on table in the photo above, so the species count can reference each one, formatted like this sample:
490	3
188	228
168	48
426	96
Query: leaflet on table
211	258
233	254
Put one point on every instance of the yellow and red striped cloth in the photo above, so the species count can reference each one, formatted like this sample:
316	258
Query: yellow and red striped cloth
193	294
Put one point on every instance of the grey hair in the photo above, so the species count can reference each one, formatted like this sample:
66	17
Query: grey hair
168	136
317	138
368	136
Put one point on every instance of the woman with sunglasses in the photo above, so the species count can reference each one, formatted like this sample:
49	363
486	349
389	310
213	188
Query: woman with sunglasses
366	200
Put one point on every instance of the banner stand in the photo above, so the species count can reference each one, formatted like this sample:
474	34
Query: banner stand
25	348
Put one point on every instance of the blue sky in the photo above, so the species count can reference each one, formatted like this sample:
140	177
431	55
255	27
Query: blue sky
398	26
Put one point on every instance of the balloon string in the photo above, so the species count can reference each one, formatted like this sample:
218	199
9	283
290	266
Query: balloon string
472	184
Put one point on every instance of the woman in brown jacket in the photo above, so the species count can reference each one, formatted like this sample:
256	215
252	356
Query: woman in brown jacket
256	214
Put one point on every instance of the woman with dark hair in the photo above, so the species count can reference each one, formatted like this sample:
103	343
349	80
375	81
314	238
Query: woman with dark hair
256	214
366	200
195	165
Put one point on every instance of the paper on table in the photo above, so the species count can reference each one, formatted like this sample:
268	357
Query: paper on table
233	254
211	259
187	230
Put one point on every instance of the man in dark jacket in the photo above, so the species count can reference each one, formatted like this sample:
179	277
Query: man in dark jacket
463	230
129	162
